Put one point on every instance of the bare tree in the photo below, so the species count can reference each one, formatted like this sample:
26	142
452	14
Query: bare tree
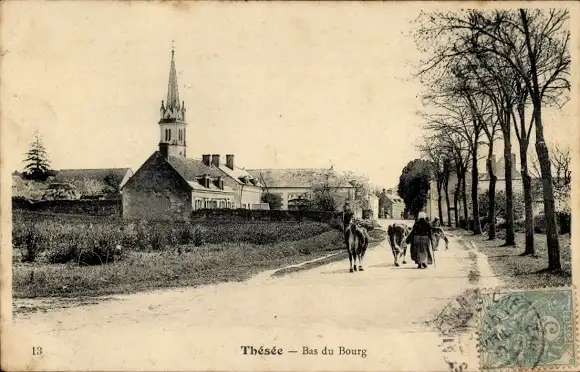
533	44
432	150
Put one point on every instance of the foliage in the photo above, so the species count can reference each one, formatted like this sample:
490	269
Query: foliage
99	241
37	162
362	188
500	203
414	185
61	191
273	200
324	198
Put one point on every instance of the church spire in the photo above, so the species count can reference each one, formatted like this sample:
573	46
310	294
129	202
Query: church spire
172	90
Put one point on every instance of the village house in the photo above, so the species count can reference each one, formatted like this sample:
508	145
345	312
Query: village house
294	186
248	189
391	205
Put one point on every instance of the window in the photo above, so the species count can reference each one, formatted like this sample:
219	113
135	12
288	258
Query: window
180	134
167	134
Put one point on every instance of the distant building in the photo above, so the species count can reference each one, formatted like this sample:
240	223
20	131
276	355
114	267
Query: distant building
391	205
294	185
95	182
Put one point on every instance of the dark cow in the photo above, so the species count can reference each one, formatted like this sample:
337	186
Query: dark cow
357	240
397	234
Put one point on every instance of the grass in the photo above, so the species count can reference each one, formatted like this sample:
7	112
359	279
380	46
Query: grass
141	271
524	271
50	253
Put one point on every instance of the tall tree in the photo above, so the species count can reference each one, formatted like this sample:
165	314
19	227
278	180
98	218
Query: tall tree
414	185
37	162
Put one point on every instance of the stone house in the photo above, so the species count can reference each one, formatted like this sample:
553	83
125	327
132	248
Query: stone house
391	205
169	187
295	185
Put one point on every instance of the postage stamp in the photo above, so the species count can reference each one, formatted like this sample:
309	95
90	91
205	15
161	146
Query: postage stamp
527	329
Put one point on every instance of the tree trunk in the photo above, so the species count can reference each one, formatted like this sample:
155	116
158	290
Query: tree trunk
446	188
439	197
527	183
474	192
526	180
510	238
464	197
543	156
491	220
456	194
548	191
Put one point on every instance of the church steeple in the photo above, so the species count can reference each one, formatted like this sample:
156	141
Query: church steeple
172	112
172	89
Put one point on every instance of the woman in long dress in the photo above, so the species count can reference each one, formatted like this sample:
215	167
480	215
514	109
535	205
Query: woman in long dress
420	237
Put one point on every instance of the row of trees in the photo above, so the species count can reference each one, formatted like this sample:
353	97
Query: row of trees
489	74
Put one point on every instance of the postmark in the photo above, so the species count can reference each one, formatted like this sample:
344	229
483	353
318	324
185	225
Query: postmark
527	329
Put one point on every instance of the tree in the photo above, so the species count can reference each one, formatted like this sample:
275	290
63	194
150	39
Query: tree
362	188
435	153
531	44
414	185
273	200
324	198
37	162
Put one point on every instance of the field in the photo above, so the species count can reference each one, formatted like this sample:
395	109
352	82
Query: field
68	256
524	271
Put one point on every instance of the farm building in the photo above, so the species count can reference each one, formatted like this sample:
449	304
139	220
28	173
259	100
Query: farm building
95	182
294	185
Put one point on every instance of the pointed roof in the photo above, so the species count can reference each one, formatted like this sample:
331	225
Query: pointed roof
172	89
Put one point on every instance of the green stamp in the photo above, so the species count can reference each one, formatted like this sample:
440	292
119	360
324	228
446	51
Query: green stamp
526	329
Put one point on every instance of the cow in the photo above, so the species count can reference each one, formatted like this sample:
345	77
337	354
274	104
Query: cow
397	235
356	239
439	234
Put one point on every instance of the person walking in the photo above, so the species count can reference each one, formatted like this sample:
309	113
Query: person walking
421	239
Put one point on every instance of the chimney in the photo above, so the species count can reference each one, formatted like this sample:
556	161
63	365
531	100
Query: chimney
230	161
205	159
164	149
215	160
390	191
514	165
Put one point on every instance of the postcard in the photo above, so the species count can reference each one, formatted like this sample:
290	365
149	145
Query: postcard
289	186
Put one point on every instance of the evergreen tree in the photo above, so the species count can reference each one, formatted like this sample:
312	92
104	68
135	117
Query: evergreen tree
37	162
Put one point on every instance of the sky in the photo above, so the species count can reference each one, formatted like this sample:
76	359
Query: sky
283	85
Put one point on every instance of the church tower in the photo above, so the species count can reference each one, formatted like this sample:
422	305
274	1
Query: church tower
172	123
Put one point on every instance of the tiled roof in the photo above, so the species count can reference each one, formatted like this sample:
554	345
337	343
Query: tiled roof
70	175
303	178
238	174
190	169
197	186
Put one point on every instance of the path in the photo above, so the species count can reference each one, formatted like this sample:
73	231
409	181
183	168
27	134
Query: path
382	310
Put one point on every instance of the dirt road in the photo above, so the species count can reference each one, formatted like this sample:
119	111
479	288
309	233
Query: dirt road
382	310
